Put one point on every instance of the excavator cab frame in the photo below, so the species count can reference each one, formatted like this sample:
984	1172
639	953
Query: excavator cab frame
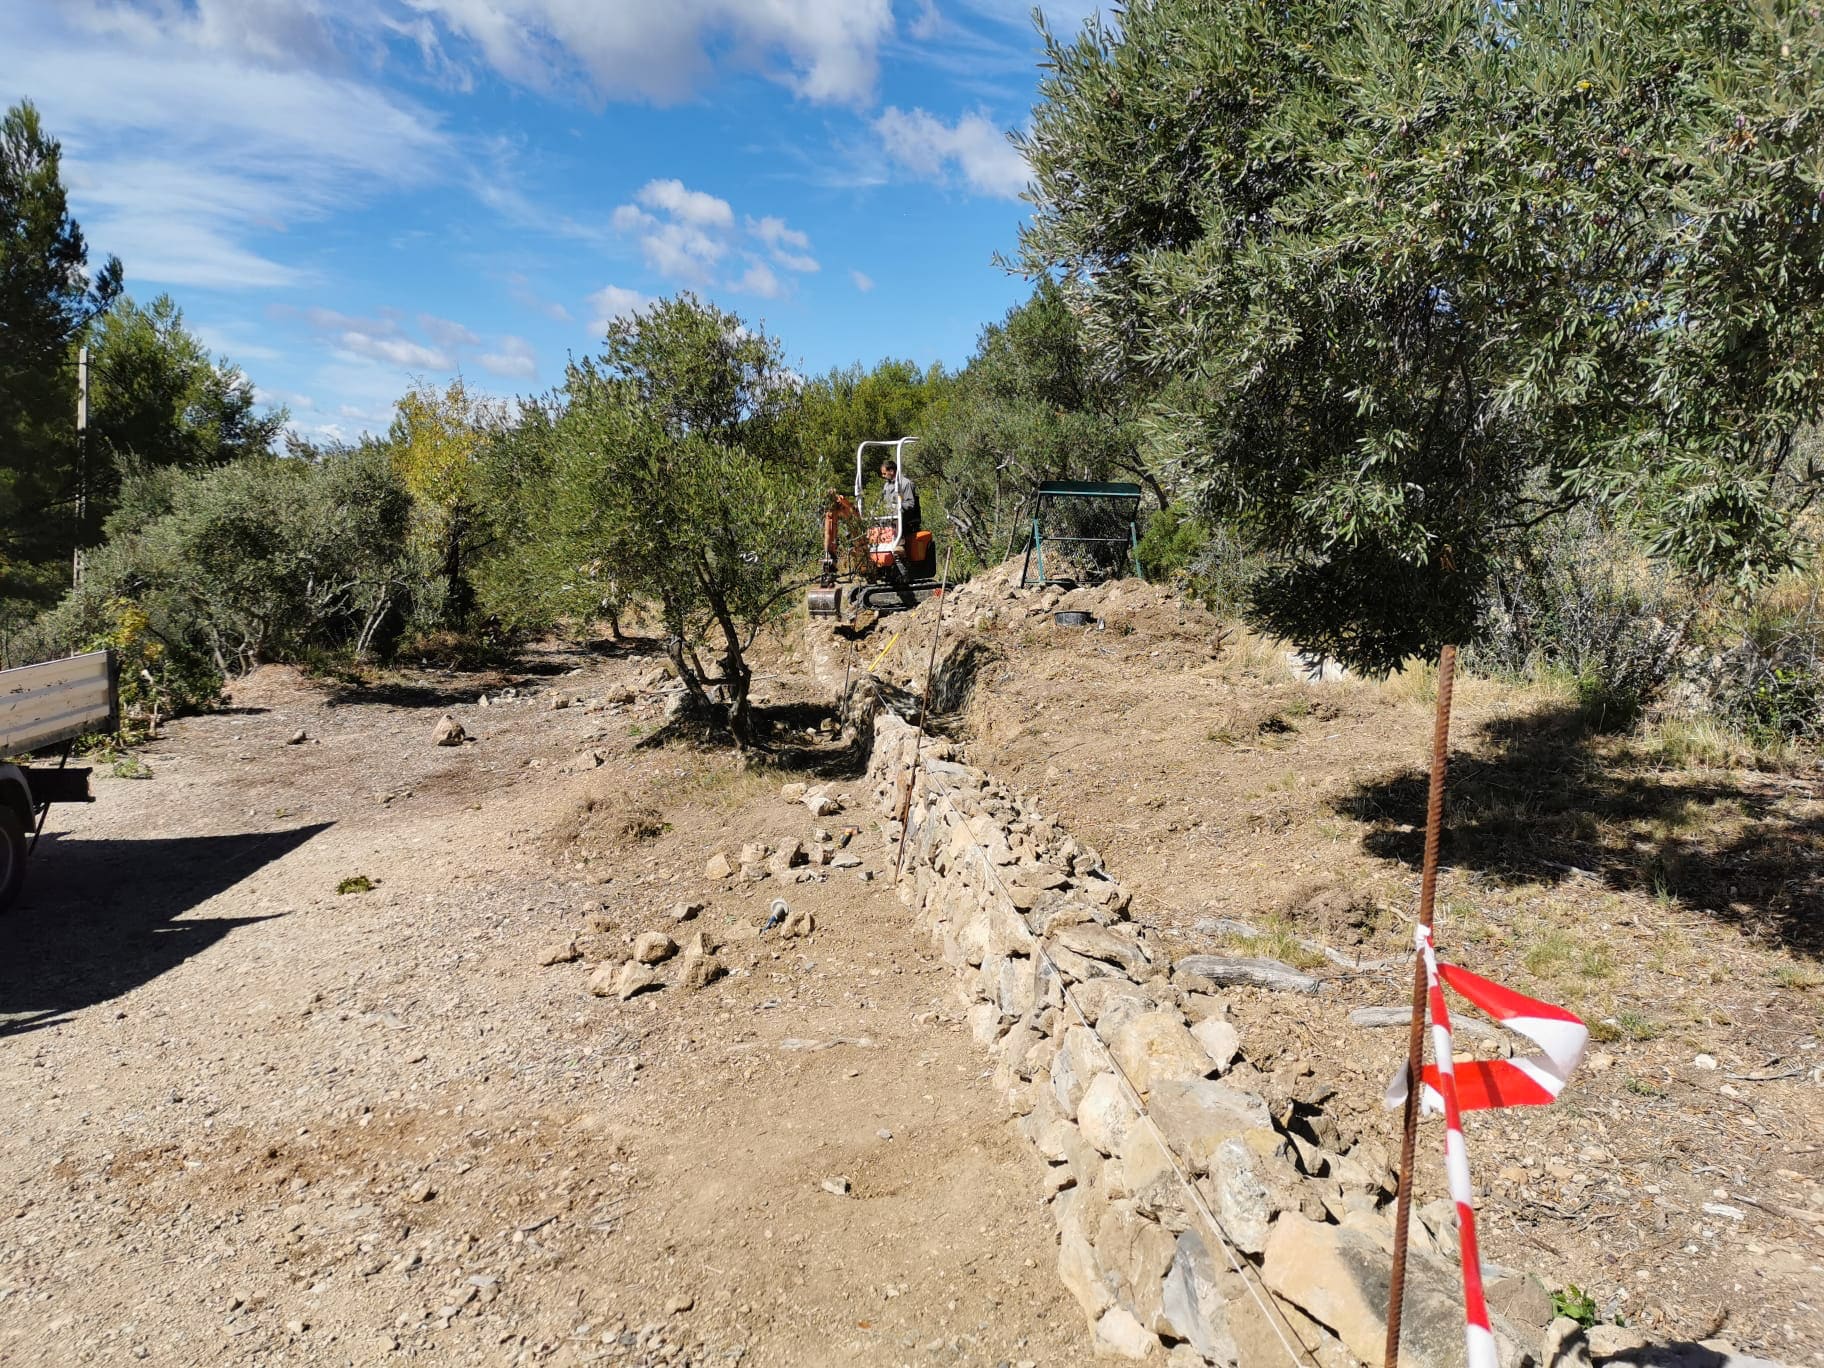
867	561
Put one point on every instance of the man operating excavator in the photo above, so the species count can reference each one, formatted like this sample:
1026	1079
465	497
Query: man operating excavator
885	563
901	501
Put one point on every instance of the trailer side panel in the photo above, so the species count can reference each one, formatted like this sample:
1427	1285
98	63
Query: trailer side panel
60	700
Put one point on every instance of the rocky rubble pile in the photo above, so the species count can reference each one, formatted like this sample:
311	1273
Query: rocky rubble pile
1233	1220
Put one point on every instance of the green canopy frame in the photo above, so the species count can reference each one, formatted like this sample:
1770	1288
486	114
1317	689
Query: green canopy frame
1054	491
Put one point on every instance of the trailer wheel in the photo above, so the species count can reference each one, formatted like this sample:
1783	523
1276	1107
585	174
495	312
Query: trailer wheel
12	855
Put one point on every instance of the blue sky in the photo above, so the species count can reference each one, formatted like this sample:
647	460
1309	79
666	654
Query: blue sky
347	194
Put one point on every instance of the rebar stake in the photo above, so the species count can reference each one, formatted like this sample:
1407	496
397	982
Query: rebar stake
1415	1039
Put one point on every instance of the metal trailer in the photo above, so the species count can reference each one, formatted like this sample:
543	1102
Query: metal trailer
43	707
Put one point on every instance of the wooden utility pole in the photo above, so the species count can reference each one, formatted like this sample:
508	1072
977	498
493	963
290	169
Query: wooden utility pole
82	461
1415	1039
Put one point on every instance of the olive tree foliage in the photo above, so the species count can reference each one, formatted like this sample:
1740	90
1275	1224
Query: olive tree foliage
206	573
1031	405
850	405
674	476
1405	280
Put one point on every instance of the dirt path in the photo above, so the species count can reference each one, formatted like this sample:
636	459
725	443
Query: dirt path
251	1120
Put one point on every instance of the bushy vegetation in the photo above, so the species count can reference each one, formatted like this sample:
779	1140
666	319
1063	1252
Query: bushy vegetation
1398	283
1302	277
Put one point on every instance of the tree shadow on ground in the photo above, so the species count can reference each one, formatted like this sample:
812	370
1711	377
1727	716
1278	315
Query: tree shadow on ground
100	918
780	741
406	693
1540	798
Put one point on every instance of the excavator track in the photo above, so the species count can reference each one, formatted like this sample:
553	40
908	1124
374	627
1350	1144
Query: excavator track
846	602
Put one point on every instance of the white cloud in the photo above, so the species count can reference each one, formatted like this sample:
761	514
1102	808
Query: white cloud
181	147
691	206
615	301
760	280
384	338
824	50
515	359
927	23
863	281
689	236
395	351
974	148
789	247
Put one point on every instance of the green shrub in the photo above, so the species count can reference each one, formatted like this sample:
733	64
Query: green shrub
1208	563
1580	603
1770	684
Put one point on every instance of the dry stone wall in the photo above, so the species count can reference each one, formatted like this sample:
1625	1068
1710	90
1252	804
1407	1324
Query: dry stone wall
1210	1211
1204	1232
1202	1218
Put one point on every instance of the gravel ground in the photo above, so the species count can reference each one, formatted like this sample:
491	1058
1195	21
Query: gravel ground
248	1119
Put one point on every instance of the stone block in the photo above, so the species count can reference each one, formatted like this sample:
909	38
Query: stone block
1339	1277
1220	1041
1105	1115
1120	1335
1154	1048
1080	1217
1135	1253
1195	1115
1243	1204
1112	945
1078	1061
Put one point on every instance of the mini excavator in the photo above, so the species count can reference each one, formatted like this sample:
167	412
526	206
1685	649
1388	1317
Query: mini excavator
869	564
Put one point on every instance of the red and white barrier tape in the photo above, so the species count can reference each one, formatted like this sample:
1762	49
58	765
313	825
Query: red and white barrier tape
1479	1085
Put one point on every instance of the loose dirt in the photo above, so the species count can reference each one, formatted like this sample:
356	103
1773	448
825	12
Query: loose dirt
1680	1181
248	1119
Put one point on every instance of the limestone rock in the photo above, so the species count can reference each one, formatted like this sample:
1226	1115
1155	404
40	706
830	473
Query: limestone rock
792	793
1192	1303
1155	1048
1220	1041
448	732
654	947
1195	1115
1122	1335
1077	1267
1077	1062
601	982
686	911
719	867
821	804
1106	943
1105	995
699	970
1243	1204
798	922
1339	1276
1105	1115
1134	1254
1607	1341
565	952
1523	1299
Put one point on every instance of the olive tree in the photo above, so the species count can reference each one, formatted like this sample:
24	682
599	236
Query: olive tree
675	477
1404	280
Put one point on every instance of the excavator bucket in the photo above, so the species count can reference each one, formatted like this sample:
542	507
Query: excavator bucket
826	603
